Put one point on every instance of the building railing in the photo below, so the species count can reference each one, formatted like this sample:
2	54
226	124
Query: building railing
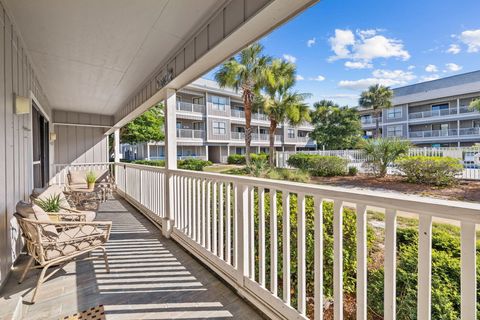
469	131
365	121
190	134
241	114
59	171
225	220
255	136
433	133
190	107
432	113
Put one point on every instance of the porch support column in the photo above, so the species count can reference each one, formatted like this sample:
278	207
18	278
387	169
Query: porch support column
116	145
170	160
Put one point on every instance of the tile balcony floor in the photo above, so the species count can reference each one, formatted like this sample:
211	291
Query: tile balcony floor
151	278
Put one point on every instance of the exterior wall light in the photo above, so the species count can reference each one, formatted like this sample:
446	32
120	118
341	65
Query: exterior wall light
22	105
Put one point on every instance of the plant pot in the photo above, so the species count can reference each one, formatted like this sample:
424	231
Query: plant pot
53	216
91	185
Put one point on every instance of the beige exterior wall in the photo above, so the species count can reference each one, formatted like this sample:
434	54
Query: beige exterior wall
16	77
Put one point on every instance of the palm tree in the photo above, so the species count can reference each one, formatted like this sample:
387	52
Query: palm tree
247	72
377	97
475	104
280	103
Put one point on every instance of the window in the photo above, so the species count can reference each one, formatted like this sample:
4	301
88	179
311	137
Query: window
366	119
197	100
476	123
291	133
179	125
219	103
395	131
219	127
239	150
394	113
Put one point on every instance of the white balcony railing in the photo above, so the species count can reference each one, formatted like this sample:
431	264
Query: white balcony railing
241	114
190	107
469	131
190	134
223	221
255	136
366	121
237	135
432	113
434	133
465	109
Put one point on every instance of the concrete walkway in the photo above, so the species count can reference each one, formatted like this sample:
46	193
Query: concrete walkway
151	278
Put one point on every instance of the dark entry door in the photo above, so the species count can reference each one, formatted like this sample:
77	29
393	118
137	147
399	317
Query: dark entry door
40	149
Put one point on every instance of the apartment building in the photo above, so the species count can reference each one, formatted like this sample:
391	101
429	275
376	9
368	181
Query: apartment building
211	125
433	113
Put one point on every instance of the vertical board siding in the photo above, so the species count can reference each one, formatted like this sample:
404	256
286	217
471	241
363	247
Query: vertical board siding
16	78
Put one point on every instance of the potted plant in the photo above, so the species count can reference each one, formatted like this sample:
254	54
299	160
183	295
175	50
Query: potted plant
91	177
51	206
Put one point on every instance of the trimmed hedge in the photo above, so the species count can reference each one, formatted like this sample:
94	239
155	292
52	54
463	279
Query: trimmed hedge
240	158
187	164
438	171
321	166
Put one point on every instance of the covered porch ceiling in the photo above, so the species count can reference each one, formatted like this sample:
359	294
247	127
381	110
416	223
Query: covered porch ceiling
91	55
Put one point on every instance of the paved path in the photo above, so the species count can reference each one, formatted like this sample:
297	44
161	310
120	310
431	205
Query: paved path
151	278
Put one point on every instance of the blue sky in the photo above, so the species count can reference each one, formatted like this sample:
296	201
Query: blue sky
342	46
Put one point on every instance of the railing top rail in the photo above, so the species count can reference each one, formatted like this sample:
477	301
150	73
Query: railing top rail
455	210
83	164
141	166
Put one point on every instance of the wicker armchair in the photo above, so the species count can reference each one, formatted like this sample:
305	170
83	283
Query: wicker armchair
57	243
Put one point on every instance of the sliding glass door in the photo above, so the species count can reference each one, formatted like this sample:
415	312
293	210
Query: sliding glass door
40	148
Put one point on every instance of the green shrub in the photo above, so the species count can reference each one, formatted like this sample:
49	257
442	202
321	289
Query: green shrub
438	171
258	167
352	171
289	175
240	158
193	164
187	164
156	163
383	152
316	165
236	159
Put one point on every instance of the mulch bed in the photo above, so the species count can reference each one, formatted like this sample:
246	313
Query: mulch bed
464	190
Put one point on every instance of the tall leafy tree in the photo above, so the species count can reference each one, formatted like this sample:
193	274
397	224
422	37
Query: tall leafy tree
335	127
247	72
145	128
475	104
280	102
377	97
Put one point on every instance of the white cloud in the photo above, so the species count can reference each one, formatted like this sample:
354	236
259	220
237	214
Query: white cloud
358	65
318	78
431	68
430	77
365	46
380	76
380	47
411	67
472	39
311	42
453	67
289	58
340	43
299	77
454	49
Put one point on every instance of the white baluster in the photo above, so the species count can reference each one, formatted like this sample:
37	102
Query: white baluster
301	265
362	260
318	258
273	243
286	246
468	272
390	264
424	295
261	236
338	259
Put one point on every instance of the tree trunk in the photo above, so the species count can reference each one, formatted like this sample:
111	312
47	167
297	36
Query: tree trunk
271	132
247	104
377	125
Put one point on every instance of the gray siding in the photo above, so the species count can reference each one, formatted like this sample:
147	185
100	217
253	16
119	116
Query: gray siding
78	140
16	77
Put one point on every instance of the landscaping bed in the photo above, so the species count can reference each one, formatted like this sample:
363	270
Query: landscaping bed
464	190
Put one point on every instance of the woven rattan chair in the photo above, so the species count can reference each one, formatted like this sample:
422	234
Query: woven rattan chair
57	243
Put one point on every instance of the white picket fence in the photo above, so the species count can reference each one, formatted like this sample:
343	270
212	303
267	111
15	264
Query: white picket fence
357	158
